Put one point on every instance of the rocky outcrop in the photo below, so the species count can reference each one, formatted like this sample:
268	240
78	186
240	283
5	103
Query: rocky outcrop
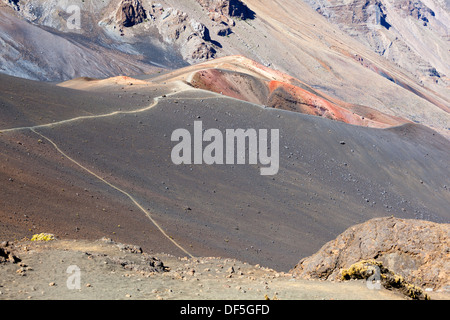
197	50
221	19
229	8
416	250
223	11
7	253
403	31
172	26
224	31
190	35
130	13
416	9
14	4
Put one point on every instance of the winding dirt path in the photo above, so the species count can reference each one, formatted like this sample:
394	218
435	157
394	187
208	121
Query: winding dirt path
125	193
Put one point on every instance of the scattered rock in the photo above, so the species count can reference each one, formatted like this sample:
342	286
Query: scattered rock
137	261
170	285
129	248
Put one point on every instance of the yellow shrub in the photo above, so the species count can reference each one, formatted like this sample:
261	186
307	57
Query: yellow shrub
390	280
43	237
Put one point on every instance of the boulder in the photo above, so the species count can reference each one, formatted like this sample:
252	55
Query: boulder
417	250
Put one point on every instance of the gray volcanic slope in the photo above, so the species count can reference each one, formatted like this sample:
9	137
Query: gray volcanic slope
322	187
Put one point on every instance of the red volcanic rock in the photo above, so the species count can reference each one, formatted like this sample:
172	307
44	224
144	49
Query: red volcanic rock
247	80
289	97
293	98
233	84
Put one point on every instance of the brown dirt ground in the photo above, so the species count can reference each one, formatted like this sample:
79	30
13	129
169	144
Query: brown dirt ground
111	273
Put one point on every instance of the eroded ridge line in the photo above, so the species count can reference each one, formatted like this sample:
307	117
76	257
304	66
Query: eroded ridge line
114	187
61	122
155	102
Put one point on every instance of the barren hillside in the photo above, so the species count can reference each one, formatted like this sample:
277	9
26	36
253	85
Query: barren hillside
354	95
124	38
